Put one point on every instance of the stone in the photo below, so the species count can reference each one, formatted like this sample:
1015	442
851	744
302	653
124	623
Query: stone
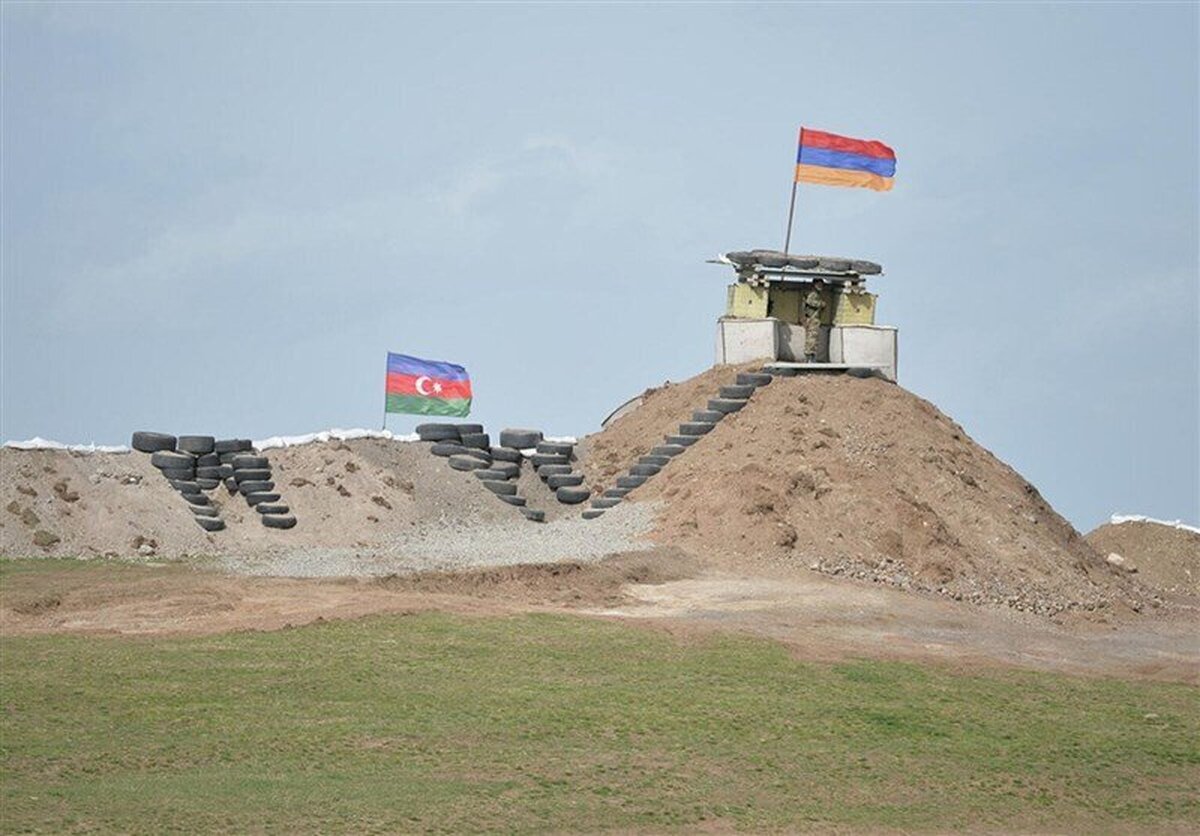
44	538
145	550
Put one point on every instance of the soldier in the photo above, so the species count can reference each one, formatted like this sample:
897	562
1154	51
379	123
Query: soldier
814	303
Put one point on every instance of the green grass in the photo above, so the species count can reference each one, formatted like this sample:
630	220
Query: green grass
445	723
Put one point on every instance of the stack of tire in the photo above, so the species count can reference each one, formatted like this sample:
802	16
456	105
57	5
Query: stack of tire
178	460
226	449
467	448
251	473
552	461
729	399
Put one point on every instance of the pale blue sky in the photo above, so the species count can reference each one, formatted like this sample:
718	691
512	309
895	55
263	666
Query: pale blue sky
219	218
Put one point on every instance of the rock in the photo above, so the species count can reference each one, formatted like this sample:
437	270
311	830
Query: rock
44	538
145	550
1120	562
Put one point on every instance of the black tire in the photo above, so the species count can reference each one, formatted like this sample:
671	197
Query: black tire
253	499
501	488
208	460
226	471
736	392
245	461
477	441
507	454
542	459
211	472
725	406
271	508
606	502
630	482
616	493
195	443
196	499
257	486
667	450
562	448
252	474
185	485
231	445
437	432
695	428
231	485
510	470
490	475
184	474
753	379
836	265
657	461
707	416
165	459
512	499
466	463
681	440
483	455
202	510
463	429
564	480
571	496
207	484
210	523
148	442
533	515
803	262
446	449
278	520
548	470
519	439
645	470
227	458
865	268
593	513
783	371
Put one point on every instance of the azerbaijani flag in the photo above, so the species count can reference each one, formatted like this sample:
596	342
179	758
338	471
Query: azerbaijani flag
834	160
426	387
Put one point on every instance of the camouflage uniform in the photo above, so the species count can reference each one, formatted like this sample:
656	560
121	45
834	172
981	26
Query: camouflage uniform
814	303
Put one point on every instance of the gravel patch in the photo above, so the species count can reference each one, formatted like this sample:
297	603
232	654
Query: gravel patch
449	544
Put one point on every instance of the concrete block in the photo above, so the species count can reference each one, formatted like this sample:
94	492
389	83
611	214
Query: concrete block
865	345
791	343
743	340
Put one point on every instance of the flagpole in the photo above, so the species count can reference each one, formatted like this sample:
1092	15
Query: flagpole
787	241
384	425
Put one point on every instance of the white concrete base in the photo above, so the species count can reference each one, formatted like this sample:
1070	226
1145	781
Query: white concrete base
865	345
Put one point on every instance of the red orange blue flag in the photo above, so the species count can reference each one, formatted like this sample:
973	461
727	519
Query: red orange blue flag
833	160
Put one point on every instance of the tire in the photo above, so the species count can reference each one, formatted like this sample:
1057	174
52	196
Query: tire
231	445
231	485
208	460
477	441
446	449
725	406
606	502
803	262
483	455
616	493
507	454
560	447
196	499
185	485
520	439
753	379
248	462
540	460
568	495
667	450
271	508
437	432
510	470
501	488
695	428
512	499
783	371
257	486
252	474
278	520
707	416
490	475
836	265
253	499
195	443
593	513
865	268
148	442
681	440
211	472
533	515
165	459
226	471
202	510
466	463
630	482
210	523
564	480
736	392
464	429
184	474
548	470
207	484
657	461
645	470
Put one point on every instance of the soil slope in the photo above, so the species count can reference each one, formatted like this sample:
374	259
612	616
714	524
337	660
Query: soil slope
860	477
1165	557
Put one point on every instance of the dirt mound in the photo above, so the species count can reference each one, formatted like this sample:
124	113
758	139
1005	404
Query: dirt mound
356	493
861	478
1164	557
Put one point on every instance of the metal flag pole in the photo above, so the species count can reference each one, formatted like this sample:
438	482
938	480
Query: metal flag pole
384	425
787	241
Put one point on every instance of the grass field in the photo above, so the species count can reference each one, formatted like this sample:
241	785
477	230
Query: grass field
560	723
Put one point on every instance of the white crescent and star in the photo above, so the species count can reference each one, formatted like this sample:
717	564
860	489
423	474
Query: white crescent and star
420	386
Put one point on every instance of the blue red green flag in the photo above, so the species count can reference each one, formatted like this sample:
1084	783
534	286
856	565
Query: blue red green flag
426	387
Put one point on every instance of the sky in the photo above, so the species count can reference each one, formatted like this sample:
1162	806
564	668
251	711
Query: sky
219	218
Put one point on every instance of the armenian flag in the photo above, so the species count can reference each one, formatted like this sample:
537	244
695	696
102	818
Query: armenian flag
833	160
426	387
